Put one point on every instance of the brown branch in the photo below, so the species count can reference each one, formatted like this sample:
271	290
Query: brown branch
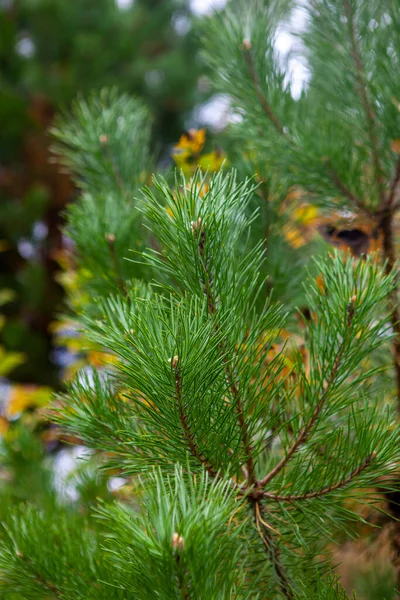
393	188
110	238
189	435
245	473
184	594
365	100
246	49
39	578
231	379
305	432
389	252
267	539
328	489
178	545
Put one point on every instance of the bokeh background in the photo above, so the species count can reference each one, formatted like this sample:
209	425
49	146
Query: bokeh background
50	51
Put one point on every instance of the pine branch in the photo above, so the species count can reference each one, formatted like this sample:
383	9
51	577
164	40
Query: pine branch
110	238
184	594
393	188
39	578
264	531
305	432
94	137
246	50
247	53
365	100
390	257
328	489
189	435
178	546
231	378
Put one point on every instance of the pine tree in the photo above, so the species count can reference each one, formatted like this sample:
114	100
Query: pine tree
340	140
243	456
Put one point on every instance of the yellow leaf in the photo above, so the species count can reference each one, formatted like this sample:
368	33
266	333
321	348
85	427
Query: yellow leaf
184	162
191	142
294	236
9	361
213	161
97	358
306	213
23	397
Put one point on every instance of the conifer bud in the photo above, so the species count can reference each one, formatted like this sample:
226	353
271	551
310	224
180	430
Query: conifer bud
103	139
195	225
178	543
174	361
353	299
110	238
247	44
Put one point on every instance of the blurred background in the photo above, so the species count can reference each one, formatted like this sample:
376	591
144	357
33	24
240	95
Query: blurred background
50	50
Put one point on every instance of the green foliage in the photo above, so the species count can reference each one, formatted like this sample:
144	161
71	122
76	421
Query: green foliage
48	52
105	142
65	561
190	385
180	534
26	473
178	528
244	455
335	140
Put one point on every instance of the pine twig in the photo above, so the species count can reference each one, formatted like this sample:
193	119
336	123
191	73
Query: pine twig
267	539
305	432
231	379
393	188
110	238
39	578
365	100
189	435
390	256
328	489
178	544
246	50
